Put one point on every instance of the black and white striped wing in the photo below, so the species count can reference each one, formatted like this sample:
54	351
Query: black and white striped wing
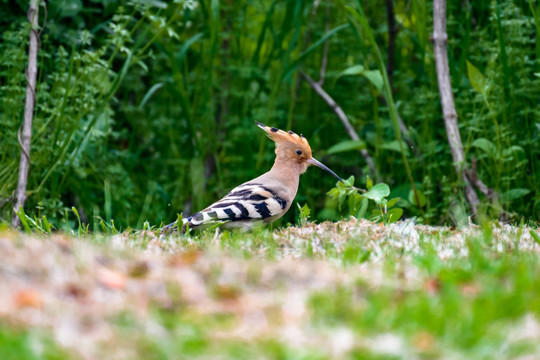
244	206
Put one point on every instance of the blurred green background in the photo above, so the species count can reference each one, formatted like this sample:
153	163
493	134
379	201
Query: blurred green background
147	108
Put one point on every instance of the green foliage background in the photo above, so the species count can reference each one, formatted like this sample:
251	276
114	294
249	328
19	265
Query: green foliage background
146	108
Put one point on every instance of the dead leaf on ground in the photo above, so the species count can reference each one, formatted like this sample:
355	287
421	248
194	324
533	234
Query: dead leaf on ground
185	258
75	290
432	285
28	298
423	341
139	269
226	292
111	279
470	289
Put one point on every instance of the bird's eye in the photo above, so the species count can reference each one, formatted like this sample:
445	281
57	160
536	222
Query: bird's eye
298	152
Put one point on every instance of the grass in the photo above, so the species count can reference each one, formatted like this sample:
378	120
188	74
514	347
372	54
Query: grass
352	290
17	344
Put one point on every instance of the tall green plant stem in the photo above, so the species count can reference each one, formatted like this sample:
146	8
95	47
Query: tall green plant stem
31	75
360	22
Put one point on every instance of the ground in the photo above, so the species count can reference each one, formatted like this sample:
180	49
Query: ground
346	290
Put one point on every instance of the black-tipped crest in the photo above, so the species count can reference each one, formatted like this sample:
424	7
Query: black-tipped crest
280	136
299	145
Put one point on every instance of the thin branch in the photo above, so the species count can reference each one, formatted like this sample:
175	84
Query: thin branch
439	39
473	178
31	74
344	120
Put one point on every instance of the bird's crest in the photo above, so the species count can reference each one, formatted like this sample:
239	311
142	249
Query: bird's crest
281	137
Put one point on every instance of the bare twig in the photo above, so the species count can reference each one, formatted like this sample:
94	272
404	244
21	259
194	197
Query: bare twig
344	120
31	74
439	39
473	178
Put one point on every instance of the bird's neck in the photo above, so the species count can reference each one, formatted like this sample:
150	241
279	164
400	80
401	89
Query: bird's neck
287	172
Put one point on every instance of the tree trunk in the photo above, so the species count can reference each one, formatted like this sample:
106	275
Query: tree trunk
31	74
439	39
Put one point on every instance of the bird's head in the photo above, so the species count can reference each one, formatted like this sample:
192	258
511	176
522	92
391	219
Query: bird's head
293	149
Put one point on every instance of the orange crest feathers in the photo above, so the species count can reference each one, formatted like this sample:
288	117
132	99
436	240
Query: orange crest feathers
286	138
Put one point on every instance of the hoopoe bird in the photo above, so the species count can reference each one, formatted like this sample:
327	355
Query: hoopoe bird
265	198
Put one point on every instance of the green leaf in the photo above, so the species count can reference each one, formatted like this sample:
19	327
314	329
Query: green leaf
347	145
353	70
514	150
421	198
103	227
74	209
333	193
342	186
24	219
392	202
355	199
513	194
394	215
477	80
377	214
378	192
341	199
216	225
47	225
369	182
374	76
394	146
363	208
149	93
305	213
185	47
487	146
537	74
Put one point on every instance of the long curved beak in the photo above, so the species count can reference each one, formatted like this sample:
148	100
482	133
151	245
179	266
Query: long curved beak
324	167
